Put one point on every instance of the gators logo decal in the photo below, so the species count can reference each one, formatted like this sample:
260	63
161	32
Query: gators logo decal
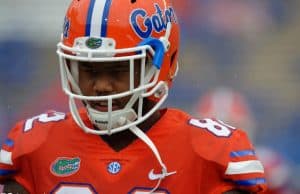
64	166
144	23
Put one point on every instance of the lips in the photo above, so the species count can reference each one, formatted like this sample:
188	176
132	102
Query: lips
103	106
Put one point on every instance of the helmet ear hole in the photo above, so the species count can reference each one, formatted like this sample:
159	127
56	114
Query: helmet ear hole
133	1
158	46
174	54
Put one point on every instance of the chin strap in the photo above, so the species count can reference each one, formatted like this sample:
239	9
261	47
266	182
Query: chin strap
139	133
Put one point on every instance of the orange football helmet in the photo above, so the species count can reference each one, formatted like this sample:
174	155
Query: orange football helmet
228	105
118	30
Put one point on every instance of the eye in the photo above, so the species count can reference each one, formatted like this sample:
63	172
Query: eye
122	69
119	67
88	68
84	68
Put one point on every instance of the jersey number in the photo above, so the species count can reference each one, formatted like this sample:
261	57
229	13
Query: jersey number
82	188
216	127
43	118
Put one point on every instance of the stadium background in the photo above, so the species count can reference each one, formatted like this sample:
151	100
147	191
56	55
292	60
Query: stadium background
252	46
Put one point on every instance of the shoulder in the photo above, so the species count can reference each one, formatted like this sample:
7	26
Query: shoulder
226	147
46	118
203	128
205	134
27	135
213	131
34	138
39	124
218	141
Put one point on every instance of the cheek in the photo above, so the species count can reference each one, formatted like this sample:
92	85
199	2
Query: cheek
121	81
85	84
122	85
136	79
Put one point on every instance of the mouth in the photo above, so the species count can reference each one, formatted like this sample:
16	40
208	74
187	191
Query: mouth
103	106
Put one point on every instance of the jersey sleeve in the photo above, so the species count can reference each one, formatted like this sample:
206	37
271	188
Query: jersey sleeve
21	145
14	163
243	167
8	165
232	154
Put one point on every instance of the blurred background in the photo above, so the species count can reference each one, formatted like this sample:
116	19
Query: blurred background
242	56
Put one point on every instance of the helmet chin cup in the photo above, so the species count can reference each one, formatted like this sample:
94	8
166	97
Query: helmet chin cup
111	120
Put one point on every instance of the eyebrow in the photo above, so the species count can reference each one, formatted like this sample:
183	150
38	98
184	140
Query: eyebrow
119	66
85	64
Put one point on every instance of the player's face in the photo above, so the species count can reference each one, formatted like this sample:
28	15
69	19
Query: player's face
107	78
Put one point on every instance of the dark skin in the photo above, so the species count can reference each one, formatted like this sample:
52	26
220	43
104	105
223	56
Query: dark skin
101	79
110	78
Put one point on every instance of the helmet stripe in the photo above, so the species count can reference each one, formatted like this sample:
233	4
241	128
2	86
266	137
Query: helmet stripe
105	18
89	18
97	18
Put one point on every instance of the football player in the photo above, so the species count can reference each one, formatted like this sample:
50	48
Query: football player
118	58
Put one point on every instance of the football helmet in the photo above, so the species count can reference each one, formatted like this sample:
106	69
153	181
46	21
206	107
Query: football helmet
228	105
118	30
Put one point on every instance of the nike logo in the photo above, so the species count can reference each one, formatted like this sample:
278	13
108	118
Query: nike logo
153	176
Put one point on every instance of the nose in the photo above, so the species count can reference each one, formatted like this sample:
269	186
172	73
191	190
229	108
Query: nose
103	85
